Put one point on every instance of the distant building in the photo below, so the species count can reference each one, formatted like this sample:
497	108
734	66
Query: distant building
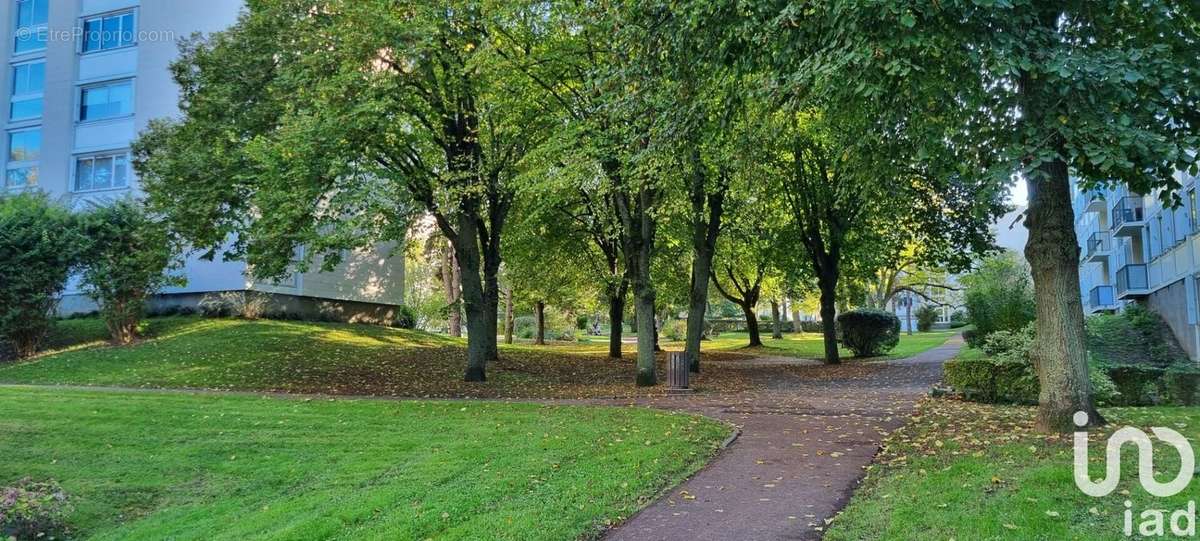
82	78
1137	250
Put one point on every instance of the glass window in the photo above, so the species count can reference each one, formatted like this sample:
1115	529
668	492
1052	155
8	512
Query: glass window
19	177
106	101
28	83
30	29
102	172
108	32
24	146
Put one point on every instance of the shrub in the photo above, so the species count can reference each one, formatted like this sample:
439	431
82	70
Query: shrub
1009	345
1137	335
675	330
33	510
565	335
958	319
1182	384
811	326
40	245
524	327
1014	381
999	295
406	317
869	332
1138	384
926	317
581	322
973	338
129	257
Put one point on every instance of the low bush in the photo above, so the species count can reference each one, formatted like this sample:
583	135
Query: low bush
406	317
868	333
581	322
973	338
926	317
33	510
1182	385
811	326
524	327
675	330
958	319
1014	381
1139	385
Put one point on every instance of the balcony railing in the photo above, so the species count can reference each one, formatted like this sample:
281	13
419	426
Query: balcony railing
1127	209
1132	279
1100	241
1102	297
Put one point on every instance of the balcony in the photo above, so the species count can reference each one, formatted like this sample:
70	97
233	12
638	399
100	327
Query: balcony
1128	217
1094	201
1098	247
1132	282
1101	299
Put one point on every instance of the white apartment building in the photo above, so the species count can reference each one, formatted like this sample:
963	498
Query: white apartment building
82	78
1135	249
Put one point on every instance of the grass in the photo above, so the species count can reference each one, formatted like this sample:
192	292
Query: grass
331	358
812	345
971	471
152	465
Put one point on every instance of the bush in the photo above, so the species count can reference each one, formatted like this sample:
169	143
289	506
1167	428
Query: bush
1014	381
40	245
811	326
406	317
675	330
565	335
1137	335
1138	384
999	296
128	258
958	319
1182	385
32	510
581	322
926	317
973	338
524	327
869	332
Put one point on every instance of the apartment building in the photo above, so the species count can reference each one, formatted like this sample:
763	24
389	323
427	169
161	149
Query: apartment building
83	78
1135	249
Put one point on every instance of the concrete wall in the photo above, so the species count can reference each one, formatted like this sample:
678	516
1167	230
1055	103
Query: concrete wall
1170	302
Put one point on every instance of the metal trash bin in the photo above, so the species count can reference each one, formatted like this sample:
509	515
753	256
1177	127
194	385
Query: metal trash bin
677	373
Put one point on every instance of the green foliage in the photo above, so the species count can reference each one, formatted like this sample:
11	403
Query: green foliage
130	256
675	330
869	332
33	510
1136	335
581	322
40	245
958	319
524	327
926	317
999	295
1139	385
406	317
1182	385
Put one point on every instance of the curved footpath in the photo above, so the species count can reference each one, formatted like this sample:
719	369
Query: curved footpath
801	453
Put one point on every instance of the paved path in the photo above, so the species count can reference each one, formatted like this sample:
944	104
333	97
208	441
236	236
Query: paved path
803	445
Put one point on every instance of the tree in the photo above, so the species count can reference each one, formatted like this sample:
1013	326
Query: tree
40	245
1044	90
129	257
999	295
321	124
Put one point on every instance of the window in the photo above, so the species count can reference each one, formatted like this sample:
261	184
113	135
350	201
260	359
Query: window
1193	212
28	83
109	100
108	32
24	149
25	146
30	29
102	172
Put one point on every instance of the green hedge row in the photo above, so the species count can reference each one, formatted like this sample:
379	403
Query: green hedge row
1014	381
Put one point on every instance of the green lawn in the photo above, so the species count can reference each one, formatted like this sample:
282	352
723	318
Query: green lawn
812	346
151	465
329	358
979	472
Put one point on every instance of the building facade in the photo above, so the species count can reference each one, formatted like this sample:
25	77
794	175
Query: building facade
1136	249
83	78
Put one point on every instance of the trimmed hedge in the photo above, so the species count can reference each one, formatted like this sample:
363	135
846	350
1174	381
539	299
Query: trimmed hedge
997	381
869	332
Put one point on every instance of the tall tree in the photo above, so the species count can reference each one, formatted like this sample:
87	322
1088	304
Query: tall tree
317	123
1100	90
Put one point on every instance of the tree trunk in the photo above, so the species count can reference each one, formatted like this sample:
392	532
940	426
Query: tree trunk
452	283
908	300
1059	350
475	302
796	327
828	287
616	320
539	318
644	305
508	316
776	324
751	324
706	226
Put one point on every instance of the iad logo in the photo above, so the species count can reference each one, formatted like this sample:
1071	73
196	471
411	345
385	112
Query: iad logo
1112	472
1153	522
